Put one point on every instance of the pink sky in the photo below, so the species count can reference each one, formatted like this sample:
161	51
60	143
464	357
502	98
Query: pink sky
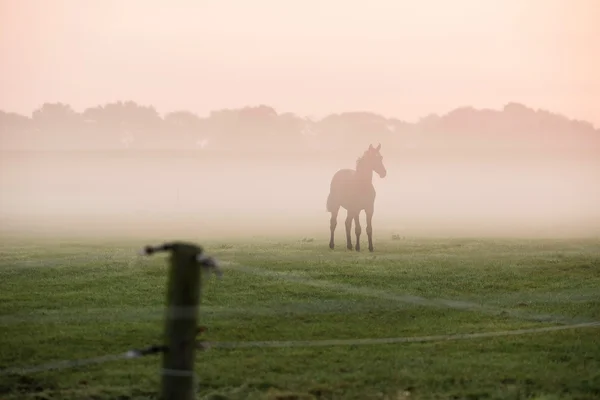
399	58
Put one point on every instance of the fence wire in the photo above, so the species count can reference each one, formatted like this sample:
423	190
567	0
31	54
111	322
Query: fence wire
415	300
293	343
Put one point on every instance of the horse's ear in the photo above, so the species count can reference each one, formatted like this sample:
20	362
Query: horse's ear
379	147
370	147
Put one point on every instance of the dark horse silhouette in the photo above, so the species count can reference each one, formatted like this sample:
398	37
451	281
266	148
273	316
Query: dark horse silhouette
353	190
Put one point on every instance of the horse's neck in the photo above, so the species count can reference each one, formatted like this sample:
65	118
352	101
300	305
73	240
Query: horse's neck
364	175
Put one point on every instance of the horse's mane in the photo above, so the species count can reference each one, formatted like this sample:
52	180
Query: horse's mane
360	159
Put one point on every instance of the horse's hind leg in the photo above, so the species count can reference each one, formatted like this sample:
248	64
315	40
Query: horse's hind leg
332	225
349	218
357	231
370	228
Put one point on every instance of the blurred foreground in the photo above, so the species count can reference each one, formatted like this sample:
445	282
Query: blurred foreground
97	299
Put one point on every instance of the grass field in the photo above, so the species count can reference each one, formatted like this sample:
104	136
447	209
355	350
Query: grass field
62	300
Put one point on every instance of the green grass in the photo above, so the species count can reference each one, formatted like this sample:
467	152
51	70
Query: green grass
73	299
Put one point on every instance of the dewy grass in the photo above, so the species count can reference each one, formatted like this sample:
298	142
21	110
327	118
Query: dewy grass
92	299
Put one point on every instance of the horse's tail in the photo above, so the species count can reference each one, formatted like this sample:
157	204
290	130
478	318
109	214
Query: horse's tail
329	206
332	198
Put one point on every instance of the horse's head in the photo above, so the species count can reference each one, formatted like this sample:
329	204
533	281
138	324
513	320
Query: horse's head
374	160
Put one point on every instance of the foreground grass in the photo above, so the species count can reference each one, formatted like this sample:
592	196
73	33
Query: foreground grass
67	299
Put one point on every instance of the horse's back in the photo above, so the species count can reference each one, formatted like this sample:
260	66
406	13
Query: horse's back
342	176
346	192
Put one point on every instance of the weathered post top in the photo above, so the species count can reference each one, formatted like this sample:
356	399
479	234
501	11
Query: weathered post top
181	326
187	248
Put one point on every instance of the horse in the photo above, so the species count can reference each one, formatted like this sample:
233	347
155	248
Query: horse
354	191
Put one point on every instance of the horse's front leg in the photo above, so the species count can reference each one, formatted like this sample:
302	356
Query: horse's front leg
369	213
349	218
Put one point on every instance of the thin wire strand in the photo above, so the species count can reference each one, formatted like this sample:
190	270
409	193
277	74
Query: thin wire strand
409	339
65	364
403	298
416	300
298	343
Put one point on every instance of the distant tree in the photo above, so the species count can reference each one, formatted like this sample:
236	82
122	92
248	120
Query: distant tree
253	128
127	123
124	116
182	121
15	131
248	128
258	122
429	123
186	128
355	129
520	120
14	123
57	118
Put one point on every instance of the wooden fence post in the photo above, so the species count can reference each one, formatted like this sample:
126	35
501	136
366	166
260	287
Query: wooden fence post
181	320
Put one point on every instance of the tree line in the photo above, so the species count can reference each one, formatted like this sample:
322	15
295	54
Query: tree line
135	126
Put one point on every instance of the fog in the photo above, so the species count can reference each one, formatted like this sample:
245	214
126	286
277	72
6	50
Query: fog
179	195
143	74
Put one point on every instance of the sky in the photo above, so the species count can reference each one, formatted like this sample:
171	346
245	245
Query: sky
402	59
